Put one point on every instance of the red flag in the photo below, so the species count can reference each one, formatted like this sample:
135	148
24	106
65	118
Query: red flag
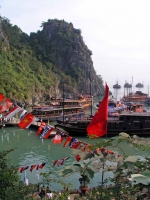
39	130
7	104
59	162
57	139
32	167
67	141
2	97
37	167
78	158
42	126
98	124
42	165
22	169
47	131
74	143
26	121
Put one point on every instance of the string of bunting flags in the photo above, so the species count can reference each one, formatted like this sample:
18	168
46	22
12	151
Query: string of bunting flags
36	166
44	131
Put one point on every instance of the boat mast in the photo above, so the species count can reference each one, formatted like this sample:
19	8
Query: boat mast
32	97
90	90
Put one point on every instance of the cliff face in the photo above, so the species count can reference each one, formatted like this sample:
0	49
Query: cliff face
67	51
47	60
72	50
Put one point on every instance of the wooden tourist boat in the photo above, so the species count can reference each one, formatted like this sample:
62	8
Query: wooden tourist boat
138	96
62	109
81	101
134	120
137	123
46	113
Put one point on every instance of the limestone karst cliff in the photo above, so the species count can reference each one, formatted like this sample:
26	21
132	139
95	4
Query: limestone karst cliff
49	59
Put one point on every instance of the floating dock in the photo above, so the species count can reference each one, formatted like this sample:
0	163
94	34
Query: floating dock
16	121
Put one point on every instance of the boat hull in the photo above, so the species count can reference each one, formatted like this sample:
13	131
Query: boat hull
78	131
129	122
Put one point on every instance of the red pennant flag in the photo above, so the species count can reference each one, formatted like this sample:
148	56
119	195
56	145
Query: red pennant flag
74	143
110	151
57	139
47	131
26	167
22	169
78	158
98	124
103	150
7	104
39	130
84	148
67	141
42	126
2	97
55	161
60	162
37	167
26	121
32	167
42	165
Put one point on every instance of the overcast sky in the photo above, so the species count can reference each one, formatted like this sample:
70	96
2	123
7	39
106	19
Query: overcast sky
116	31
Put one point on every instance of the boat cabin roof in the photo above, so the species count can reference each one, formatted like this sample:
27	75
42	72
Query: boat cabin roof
55	108
130	113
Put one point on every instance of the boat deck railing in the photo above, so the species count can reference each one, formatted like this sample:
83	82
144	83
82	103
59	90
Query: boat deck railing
113	118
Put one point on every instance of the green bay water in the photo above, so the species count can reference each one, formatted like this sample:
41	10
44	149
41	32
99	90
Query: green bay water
33	150
30	150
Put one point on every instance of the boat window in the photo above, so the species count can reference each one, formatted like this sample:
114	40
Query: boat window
147	121
128	118
136	124
119	124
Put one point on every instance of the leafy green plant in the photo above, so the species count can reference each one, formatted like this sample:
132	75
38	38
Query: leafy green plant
86	173
10	181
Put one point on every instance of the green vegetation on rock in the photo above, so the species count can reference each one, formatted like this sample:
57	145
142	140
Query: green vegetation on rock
42	62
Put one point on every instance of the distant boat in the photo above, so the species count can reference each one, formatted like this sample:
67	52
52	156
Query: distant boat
116	86
127	85
139	85
62	109
138	96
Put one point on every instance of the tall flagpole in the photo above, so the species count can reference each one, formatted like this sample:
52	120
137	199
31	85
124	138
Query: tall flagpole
25	177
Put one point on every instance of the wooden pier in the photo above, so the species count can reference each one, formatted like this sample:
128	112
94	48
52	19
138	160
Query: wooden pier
16	121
